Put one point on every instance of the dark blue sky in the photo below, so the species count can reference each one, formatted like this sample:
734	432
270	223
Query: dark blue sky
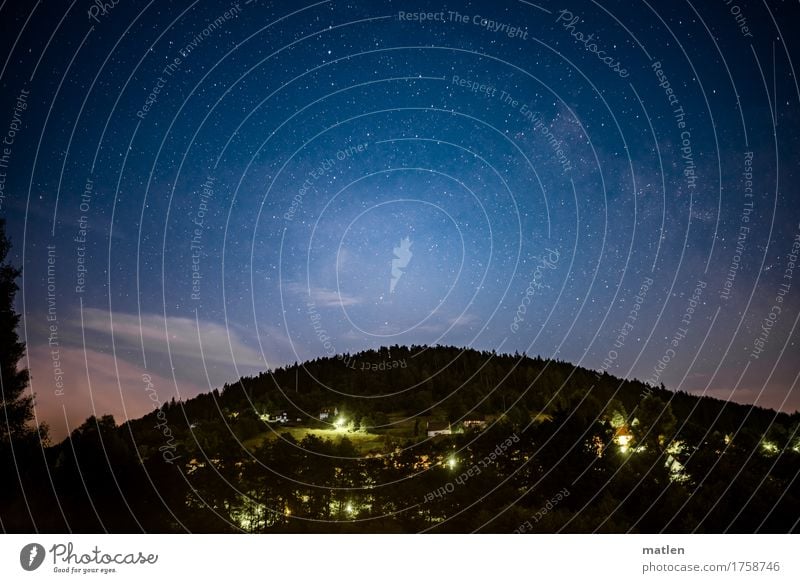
220	188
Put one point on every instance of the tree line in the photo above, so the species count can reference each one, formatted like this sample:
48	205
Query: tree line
563	449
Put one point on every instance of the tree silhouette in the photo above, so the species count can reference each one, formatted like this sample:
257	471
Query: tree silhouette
21	466
17	406
656	422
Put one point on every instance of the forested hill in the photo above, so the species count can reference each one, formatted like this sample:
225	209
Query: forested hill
453	383
423	439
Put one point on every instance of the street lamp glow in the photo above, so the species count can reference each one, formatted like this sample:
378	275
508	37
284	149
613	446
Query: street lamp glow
339	423
451	462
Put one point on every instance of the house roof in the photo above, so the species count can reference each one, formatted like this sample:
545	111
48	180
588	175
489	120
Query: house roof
438	425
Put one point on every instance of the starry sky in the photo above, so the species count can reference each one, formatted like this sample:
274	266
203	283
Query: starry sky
199	191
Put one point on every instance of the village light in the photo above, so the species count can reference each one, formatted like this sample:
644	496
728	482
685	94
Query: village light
451	462
349	508
770	447
623	441
340	423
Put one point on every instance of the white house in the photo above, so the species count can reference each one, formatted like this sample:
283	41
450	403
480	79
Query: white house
327	413
478	423
439	428
282	417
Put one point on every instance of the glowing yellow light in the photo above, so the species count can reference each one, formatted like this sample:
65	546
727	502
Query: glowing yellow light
349	508
675	447
451	462
339	423
769	447
623	440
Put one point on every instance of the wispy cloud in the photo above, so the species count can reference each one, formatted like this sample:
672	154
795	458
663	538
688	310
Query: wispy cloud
462	320
440	325
323	297
220	343
204	355
112	386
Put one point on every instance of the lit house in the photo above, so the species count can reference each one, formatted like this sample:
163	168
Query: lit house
326	413
282	417
477	423
623	438
438	428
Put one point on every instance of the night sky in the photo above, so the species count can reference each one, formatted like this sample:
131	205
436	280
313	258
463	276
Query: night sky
200	191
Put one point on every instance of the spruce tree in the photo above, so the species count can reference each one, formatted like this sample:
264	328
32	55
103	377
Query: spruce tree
17	407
